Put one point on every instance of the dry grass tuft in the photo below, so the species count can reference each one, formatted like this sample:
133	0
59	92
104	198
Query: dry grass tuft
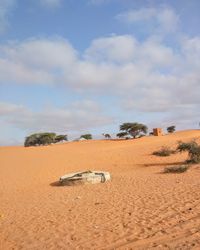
164	151
176	169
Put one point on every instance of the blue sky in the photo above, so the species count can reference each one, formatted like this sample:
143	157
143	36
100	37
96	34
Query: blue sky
89	65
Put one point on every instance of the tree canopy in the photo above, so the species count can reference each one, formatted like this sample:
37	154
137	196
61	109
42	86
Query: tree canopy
121	134
107	136
61	138
86	136
133	129
171	129
43	139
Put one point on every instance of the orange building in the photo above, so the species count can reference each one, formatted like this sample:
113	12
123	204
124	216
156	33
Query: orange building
157	132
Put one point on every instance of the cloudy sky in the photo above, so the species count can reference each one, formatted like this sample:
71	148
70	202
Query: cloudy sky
84	66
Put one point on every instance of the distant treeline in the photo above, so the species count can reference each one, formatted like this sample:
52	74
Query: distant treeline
43	139
127	130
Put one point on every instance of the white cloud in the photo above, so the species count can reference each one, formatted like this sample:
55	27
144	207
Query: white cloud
119	65
115	48
191	51
168	19
145	76
5	8
162	19
183	117
77	117
35	61
9	108
143	14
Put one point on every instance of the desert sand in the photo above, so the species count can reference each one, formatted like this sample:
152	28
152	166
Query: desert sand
141	208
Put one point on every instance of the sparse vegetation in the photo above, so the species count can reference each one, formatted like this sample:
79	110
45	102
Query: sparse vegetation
60	138
133	129
107	136
164	151
86	136
43	139
193	150
121	134
176	169
171	129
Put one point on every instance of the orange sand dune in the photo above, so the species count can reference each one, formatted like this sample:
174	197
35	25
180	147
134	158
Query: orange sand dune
141	208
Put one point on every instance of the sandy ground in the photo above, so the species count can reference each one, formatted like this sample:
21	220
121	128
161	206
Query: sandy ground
141	208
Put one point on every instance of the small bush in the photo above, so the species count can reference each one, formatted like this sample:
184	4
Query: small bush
193	150
176	169
164	151
171	129
186	146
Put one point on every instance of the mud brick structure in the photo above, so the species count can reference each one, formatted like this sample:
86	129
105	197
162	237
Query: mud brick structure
157	132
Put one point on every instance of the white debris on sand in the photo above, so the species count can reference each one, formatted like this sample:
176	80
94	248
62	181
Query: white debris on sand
80	178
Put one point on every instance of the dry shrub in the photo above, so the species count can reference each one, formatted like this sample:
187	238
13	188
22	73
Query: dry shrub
164	151
176	169
193	150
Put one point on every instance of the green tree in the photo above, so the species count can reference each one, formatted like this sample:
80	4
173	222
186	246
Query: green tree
46	138
43	139
31	140
107	136
133	129
193	150
122	134
59	138
86	136
171	129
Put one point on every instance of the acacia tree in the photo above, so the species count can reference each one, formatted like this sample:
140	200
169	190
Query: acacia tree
133	129
107	136
86	136
43	139
121	134
39	139
60	138
171	129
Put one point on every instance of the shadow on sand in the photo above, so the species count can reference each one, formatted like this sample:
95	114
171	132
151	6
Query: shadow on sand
163	164
59	184
55	184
